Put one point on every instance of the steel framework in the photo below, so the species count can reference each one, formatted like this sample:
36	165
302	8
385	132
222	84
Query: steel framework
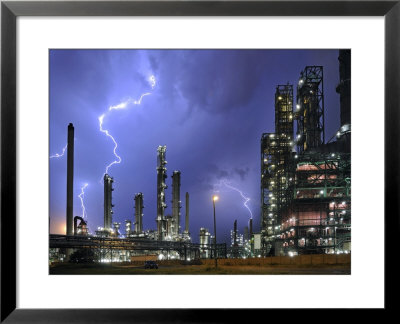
316	215
107	247
309	111
276	150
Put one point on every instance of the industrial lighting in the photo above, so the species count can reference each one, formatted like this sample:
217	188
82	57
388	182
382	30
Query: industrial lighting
215	198
298	106
296	156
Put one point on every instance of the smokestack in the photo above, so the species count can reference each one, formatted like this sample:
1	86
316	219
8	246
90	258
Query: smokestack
108	189
176	203
139	213
187	213
251	227
70	180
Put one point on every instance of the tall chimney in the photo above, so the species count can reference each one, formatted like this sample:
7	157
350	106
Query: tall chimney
187	214
108	189
251	227
70	180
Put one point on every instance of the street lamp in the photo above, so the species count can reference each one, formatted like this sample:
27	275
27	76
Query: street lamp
215	198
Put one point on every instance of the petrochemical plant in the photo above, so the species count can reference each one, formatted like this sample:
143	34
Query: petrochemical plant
305	191
305	182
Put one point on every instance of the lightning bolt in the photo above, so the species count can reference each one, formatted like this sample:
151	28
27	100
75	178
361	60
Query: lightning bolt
105	131
59	155
81	195
246	199
122	105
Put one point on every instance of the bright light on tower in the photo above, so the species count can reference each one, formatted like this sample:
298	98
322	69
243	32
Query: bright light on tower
215	198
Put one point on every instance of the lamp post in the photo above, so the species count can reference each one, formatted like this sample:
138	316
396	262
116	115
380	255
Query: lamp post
215	198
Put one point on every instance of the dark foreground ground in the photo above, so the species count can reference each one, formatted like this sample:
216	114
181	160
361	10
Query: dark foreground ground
105	269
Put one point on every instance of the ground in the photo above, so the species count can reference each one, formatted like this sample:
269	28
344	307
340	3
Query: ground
323	269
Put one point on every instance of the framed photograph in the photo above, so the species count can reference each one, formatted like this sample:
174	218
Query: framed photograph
271	116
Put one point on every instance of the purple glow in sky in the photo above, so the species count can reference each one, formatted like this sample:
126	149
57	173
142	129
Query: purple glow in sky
209	107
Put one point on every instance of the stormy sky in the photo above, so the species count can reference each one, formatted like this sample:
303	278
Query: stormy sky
209	107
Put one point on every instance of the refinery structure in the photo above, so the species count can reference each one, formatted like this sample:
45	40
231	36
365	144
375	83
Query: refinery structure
305	192
305	181
108	244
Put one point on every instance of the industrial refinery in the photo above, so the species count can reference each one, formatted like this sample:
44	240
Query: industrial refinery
305	190
305	181
108	244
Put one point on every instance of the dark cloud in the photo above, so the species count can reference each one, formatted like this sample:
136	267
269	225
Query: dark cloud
217	172
220	82
242	172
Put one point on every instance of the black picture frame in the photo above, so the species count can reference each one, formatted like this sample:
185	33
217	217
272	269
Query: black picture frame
10	10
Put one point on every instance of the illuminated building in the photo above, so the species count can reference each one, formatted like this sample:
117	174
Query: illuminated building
305	182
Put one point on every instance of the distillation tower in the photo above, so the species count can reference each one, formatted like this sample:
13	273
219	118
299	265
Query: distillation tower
161	186
139	213
176	202
276	149
310	109
187	214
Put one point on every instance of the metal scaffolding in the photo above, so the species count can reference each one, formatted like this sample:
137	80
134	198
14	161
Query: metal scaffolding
276	151
113	249
317	215
309	111
305	195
